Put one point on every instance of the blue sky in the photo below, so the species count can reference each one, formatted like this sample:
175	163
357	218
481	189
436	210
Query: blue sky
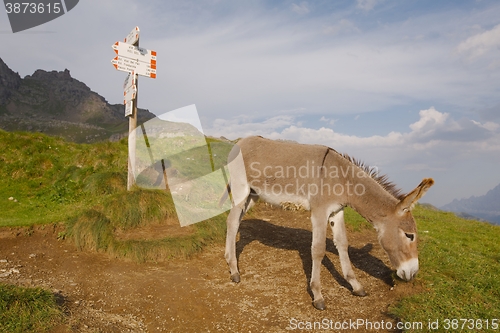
412	87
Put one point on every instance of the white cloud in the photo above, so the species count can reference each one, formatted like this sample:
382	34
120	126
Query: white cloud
429	120
328	136
489	125
301	9
429	117
481	43
433	130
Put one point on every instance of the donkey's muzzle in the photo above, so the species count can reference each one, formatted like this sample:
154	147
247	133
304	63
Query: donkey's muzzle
408	269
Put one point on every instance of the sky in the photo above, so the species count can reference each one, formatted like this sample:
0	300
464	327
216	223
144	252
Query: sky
410	87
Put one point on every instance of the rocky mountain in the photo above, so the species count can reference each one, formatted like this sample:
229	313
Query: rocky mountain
486	207
57	104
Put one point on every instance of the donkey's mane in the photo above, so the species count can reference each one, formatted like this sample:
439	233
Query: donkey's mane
383	180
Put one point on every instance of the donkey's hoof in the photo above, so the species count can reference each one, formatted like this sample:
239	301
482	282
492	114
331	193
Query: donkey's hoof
320	305
360	293
235	278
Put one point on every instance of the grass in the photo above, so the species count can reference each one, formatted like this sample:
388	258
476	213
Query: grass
27	309
84	186
94	228
354	221
50	179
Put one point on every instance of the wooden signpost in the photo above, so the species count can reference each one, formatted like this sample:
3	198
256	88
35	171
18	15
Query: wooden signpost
136	61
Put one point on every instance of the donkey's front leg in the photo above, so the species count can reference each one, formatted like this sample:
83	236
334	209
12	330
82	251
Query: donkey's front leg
318	248
233	223
340	240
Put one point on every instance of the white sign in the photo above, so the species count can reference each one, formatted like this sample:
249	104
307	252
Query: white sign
129	65
134	52
129	108
133	36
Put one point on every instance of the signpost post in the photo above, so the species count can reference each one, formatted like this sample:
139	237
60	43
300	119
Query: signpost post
136	61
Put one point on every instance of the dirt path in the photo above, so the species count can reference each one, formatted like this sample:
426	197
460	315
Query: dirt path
110	295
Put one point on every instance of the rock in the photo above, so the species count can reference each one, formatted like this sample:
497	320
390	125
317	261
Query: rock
7	273
9	82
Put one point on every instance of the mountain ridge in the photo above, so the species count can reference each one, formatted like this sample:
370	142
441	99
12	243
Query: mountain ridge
486	206
55	103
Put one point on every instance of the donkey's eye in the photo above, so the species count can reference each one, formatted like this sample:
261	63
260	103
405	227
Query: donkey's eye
410	236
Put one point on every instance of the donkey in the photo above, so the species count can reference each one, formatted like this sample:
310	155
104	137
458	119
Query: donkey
319	179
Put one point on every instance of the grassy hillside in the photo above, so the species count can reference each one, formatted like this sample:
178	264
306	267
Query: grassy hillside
84	186
48	180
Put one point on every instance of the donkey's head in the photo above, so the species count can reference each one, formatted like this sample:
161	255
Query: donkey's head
398	233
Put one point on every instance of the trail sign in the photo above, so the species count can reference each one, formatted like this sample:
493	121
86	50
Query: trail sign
129	65
134	52
129	108
133	36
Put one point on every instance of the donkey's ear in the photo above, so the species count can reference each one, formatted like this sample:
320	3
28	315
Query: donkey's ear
411	198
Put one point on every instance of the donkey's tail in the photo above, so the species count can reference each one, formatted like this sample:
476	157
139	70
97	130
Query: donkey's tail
224	196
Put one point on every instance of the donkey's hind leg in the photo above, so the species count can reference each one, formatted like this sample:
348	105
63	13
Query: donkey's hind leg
340	240
318	249
233	223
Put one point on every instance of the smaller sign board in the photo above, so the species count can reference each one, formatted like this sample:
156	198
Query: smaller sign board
133	36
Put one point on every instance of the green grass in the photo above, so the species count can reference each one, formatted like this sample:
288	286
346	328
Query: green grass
94	228
27	309
50	178
354	221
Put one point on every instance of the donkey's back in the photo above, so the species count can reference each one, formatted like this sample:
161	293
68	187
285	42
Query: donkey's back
281	171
